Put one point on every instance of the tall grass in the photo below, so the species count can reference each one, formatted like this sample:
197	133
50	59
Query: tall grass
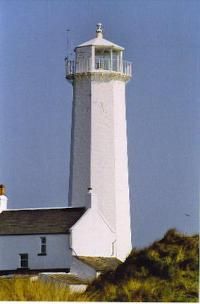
23	289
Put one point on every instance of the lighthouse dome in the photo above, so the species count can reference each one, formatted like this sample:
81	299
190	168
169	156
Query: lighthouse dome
100	41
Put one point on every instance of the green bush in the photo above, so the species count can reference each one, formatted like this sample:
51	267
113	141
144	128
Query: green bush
165	271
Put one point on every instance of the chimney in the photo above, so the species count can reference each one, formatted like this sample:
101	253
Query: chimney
3	198
2	190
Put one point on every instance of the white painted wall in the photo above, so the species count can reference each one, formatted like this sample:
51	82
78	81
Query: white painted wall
102	148
80	144
58	252
109	160
82	270
122	200
3	203
92	235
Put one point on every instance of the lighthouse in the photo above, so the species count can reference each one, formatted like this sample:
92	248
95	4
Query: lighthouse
99	163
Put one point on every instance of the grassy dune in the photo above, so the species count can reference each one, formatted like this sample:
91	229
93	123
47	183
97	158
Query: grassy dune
166	271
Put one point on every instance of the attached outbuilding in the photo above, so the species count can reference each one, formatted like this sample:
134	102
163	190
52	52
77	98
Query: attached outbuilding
89	268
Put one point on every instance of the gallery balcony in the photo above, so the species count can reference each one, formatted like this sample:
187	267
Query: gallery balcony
99	65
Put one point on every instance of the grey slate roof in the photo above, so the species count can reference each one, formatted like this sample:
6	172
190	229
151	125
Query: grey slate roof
39	221
67	278
101	264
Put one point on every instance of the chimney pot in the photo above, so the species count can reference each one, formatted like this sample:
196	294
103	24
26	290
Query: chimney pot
2	190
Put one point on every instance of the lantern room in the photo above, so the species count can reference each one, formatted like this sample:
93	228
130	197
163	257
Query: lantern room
98	55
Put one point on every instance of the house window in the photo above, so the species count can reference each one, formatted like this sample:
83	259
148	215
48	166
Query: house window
43	246
23	260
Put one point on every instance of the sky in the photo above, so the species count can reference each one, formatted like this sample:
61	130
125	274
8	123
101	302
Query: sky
162	39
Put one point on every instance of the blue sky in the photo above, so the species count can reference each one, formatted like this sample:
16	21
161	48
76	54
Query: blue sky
162	39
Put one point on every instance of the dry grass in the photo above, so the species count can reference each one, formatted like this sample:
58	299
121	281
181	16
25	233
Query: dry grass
24	289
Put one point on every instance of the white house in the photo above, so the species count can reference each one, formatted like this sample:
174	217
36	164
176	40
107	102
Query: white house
36	240
96	227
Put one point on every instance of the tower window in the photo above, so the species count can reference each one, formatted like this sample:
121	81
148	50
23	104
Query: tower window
23	260
43	246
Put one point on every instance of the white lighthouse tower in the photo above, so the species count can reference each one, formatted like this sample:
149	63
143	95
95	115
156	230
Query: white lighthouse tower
99	163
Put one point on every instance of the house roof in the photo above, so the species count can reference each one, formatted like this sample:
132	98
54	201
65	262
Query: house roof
100	263
101	42
66	278
38	221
